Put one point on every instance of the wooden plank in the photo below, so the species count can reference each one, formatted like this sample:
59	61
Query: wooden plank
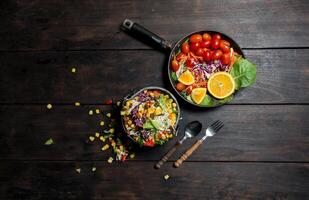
138	180
45	25
42	77
251	133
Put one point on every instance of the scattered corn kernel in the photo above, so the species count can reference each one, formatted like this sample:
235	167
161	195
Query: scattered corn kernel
102	138
49	106
78	170
77	104
97	134
174	105
113	143
110	160
132	126
132	155
112	130
166	177
102	123
90	112
118	103
97	111
93	169
91	138
108	115
73	70
105	147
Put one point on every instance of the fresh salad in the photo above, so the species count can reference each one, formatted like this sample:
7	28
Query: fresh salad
150	118
206	70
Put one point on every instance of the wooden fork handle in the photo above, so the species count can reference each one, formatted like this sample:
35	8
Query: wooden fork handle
188	153
167	155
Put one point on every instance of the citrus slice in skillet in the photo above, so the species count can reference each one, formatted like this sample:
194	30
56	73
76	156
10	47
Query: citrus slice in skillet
186	78
221	85
198	94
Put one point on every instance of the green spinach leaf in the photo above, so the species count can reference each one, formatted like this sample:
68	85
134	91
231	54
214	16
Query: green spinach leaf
244	73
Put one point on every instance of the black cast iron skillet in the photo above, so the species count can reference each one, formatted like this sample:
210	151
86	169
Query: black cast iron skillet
138	31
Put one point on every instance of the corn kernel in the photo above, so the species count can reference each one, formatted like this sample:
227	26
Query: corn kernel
105	147
102	138
73	70
97	111
91	138
49	106
132	155
166	177
118	103
90	112
129	122
78	170
132	126
77	104
108	115
110	160
174	105
97	134
102	123
113	144
112	130
93	169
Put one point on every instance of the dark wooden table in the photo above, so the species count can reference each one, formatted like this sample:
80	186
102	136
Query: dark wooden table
262	152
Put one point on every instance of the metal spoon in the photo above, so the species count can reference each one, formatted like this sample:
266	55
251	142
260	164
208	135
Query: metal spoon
192	129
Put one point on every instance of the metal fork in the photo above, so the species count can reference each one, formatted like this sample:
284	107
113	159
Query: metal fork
210	131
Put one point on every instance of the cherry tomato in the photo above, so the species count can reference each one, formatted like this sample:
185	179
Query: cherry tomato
199	52
196	38
226	42
226	59
215	44
207	55
175	65
185	48
216	37
190	62
180	86
206	37
205	44
217	55
194	46
224	47
181	56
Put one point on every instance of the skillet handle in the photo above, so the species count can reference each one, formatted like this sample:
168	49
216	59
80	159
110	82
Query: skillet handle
145	35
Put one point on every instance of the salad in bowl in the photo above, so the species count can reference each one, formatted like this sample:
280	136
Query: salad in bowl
208	67
150	116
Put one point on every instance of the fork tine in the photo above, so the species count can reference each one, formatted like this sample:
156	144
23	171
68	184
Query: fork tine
219	127
218	123
215	124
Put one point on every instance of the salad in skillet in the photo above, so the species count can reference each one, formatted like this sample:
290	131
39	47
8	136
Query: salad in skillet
150	118
207	71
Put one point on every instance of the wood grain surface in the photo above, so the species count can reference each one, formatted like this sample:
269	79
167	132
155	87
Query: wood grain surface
261	153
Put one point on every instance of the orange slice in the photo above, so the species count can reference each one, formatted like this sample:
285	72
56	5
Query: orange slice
198	94
186	78
221	85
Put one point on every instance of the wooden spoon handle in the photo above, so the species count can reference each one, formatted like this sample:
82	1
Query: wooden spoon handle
167	155
188	153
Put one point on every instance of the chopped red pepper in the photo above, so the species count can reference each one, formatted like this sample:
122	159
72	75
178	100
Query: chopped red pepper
149	143
108	102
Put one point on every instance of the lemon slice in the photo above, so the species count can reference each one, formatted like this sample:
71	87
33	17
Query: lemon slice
198	94
221	85
186	78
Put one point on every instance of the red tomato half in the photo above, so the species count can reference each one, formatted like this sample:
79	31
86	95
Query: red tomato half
185	48
194	46
196	38
215	43
205	44
217	55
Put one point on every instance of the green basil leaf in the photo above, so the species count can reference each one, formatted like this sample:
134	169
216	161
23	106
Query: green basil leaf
148	125
207	101
244	73
49	141
174	76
